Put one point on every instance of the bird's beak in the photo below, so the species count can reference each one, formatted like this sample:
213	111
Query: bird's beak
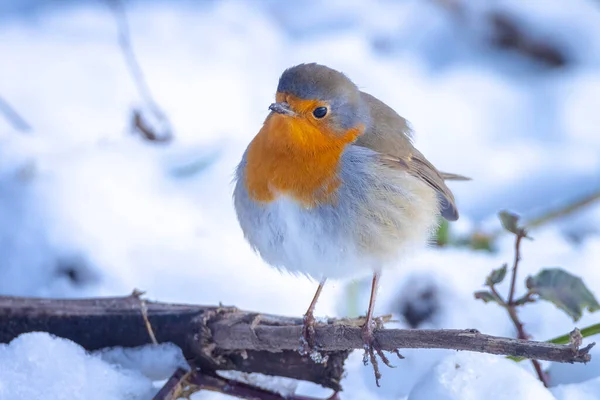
282	108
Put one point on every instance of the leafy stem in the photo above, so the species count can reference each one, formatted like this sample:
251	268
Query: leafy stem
566	291
520	235
509	221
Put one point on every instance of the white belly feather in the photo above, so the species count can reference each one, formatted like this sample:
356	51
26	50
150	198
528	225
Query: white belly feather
379	215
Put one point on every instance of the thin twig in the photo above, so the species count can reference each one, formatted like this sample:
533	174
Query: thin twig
565	210
510	305
551	215
138	294
512	312
137	74
513	280
540	372
13	117
171	390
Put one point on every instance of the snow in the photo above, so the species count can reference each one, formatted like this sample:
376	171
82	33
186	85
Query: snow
279	385
562	374
587	390
157	362
468	376
37	366
87	209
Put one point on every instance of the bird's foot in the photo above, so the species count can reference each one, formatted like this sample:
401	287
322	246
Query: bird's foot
373	349
307	341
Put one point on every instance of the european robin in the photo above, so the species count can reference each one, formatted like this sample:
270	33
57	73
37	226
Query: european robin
331	186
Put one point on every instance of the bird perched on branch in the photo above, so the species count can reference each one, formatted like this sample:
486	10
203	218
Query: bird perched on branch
331	187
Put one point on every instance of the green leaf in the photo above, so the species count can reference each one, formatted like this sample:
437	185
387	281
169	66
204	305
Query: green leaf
510	221
496	276
566	291
487	297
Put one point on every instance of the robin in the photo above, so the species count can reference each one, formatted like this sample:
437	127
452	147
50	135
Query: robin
331	187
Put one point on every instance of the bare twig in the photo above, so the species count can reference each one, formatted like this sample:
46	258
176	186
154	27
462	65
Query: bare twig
137	74
144	309
171	390
549	216
13	117
540	372
565	210
143	127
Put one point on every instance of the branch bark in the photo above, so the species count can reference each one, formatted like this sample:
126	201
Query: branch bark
226	338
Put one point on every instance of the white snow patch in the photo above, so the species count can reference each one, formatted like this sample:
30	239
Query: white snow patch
156	362
563	373
38	366
472	376
588	390
282	386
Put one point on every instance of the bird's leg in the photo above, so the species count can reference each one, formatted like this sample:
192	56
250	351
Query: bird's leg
370	344
308	328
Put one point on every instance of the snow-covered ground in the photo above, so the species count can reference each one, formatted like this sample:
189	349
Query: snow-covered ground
87	209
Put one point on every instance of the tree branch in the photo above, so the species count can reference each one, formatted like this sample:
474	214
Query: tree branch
225	338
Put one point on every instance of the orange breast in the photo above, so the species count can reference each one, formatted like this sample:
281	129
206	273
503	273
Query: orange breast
297	157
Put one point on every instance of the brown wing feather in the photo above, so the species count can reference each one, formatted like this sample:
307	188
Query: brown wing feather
390	137
419	167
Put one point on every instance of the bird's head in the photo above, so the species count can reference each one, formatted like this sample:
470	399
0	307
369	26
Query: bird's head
318	106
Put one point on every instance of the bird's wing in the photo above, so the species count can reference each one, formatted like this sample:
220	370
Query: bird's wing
417	165
390	136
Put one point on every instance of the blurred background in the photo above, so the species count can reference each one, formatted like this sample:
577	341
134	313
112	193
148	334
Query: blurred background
121	123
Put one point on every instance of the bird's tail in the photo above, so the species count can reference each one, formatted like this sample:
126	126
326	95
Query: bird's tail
447	176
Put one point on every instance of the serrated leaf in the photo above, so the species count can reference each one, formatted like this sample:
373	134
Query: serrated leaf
496	276
487	296
564	290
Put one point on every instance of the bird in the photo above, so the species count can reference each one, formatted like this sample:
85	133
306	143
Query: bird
332	187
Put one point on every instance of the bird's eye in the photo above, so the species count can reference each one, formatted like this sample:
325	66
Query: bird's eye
320	112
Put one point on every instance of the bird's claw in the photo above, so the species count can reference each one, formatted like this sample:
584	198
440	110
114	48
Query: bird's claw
373	349
308	346
307	341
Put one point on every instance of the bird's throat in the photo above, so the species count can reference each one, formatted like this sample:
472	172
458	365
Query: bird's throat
294	157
